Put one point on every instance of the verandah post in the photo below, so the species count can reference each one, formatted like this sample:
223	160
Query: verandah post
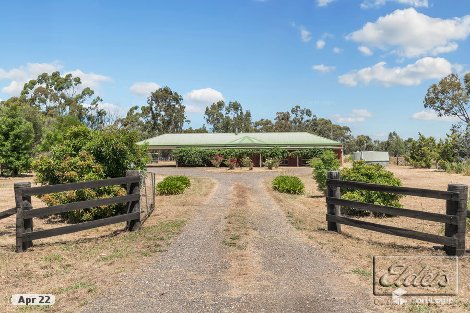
23	225
333	192
457	207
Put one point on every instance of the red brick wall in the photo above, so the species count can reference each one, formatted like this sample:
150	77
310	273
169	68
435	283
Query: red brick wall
339	154
255	159
292	161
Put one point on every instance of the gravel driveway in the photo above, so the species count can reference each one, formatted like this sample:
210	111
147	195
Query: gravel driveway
279	272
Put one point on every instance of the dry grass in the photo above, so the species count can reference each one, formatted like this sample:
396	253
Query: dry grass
237	228
78	267
355	247
245	273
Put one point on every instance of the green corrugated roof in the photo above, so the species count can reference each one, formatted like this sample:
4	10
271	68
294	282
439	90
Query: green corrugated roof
292	139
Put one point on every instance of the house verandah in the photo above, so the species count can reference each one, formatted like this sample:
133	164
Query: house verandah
161	147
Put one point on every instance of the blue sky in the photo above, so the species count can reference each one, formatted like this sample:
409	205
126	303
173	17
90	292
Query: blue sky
366	64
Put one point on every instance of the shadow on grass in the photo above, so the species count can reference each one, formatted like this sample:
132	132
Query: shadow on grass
386	244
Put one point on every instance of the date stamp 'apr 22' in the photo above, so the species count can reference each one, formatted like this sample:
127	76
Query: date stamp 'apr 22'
32	299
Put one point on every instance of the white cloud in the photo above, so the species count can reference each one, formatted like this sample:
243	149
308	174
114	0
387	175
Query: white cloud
305	34
380	135
144	88
17	77
323	68
14	88
429	115
197	100
409	75
320	44
337	50
91	80
194	108
113	109
365	51
204	95
367	4
356	116
409	33
323	3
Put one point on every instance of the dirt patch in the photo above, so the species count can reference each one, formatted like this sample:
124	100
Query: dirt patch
245	272
237	229
78	267
355	247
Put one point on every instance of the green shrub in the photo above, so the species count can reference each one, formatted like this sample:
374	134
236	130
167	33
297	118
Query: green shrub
16	141
275	153
173	185
204	157
82	167
271	163
182	179
288	184
82	155
191	157
247	162
116	150
462	167
443	165
422	152
374	174
309	153
327	161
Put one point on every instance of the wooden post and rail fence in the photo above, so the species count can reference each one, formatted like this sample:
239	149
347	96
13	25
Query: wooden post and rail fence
25	212
454	219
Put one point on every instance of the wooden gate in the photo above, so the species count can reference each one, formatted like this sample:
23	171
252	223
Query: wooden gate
25	212
454	219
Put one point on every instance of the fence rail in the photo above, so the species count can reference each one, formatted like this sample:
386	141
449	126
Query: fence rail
408	191
7	213
42	190
25	212
454	219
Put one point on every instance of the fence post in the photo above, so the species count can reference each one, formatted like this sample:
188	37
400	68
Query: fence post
154	189
134	206
22	225
332	209
458	208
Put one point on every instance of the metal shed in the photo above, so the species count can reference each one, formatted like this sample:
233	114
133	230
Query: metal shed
374	157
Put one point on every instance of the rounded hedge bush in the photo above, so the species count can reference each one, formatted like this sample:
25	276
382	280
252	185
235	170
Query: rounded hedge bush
288	184
173	185
326	161
182	179
372	174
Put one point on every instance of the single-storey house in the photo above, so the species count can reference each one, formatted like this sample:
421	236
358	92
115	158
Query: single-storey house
291	141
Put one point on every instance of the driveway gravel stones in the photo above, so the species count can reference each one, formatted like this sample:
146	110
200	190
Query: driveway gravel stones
279	271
